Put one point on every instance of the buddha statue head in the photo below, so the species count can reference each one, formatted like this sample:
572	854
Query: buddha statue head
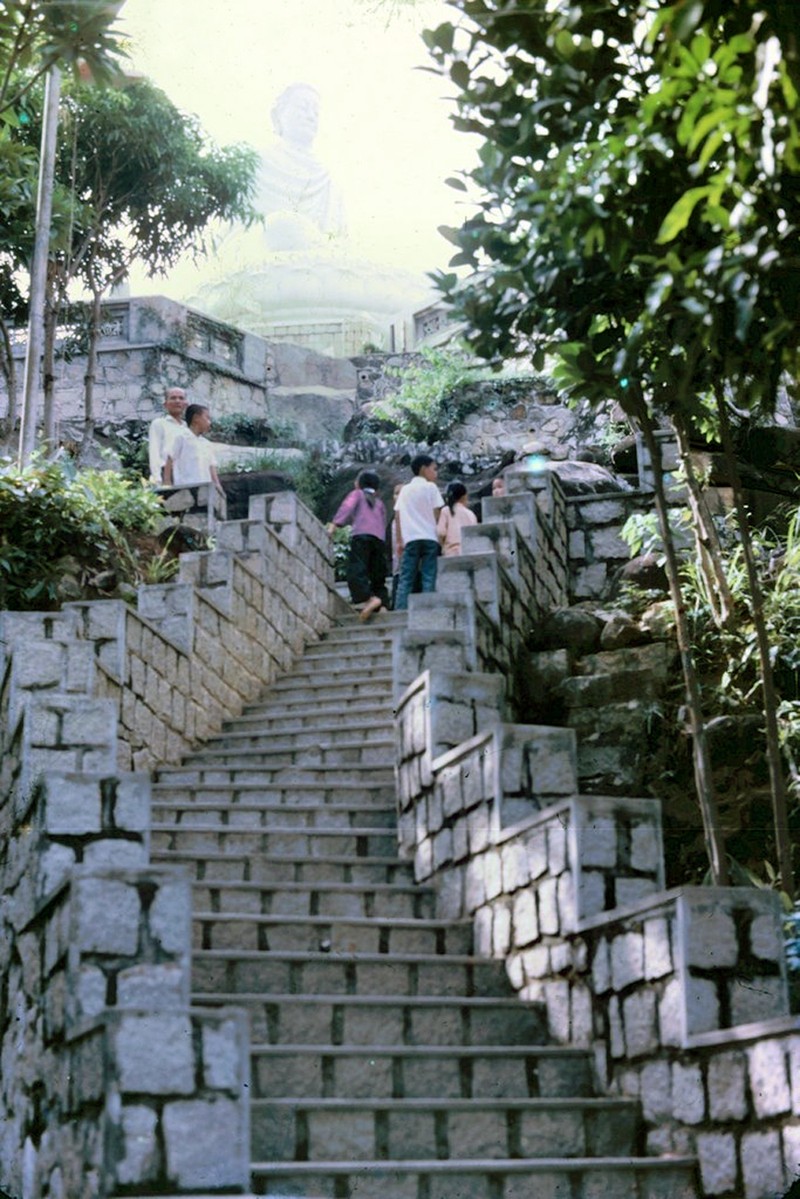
295	115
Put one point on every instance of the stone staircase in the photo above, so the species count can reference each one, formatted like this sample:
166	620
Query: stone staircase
387	1059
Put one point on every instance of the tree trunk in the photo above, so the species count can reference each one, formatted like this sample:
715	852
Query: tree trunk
783	845
91	374
709	553
9	369
714	841
49	362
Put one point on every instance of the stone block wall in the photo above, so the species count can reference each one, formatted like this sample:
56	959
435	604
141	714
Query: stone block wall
200	507
195	651
149	342
681	995
109	1081
596	549
512	570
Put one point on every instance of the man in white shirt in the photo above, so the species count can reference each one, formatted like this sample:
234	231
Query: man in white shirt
416	512
163	431
192	458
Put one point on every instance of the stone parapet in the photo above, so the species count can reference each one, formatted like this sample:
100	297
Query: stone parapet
109	1082
510	573
681	995
597	551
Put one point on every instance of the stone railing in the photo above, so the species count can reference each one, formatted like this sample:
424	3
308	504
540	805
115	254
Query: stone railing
512	570
111	1082
681	995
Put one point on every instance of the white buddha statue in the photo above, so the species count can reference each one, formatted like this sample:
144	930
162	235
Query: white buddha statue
299	200
296	267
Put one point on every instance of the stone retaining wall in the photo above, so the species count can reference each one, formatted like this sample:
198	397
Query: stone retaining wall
149	343
109	1081
597	552
681	994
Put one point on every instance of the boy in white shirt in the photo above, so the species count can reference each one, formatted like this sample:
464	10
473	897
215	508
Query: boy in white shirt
192	459
416	513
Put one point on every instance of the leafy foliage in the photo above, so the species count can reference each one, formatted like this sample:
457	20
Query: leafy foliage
341	538
638	219
256	430
730	653
309	473
51	522
728	666
145	180
38	34
434	394
139	181
639	199
35	35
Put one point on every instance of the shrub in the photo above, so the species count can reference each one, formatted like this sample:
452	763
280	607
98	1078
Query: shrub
256	430
434	395
310	474
52	522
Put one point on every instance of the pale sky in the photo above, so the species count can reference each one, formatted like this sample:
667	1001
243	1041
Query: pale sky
385	132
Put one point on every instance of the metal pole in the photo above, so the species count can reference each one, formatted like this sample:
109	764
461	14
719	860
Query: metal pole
32	388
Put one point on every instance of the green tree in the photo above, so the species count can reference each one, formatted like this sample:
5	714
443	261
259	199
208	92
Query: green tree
35	35
637	218
143	182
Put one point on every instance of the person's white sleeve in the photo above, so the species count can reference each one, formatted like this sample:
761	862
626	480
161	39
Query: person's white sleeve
176	453
154	443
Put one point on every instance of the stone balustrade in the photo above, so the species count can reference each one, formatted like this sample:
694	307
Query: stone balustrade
109	1081
512	570
682	995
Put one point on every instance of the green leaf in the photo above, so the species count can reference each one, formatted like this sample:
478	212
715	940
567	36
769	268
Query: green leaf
710	120
685	18
680	214
713	143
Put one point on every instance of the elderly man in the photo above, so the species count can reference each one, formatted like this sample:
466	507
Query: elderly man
163	431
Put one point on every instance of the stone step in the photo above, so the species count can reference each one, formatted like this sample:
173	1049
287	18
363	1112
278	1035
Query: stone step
298	774
328	708
510	1178
331	934
357	1020
248	781
232	972
324	719
371	682
341	640
420	1072
356	658
297	689
374	750
295	734
365	1129
388	901
349	625
277	868
206	813
277	840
